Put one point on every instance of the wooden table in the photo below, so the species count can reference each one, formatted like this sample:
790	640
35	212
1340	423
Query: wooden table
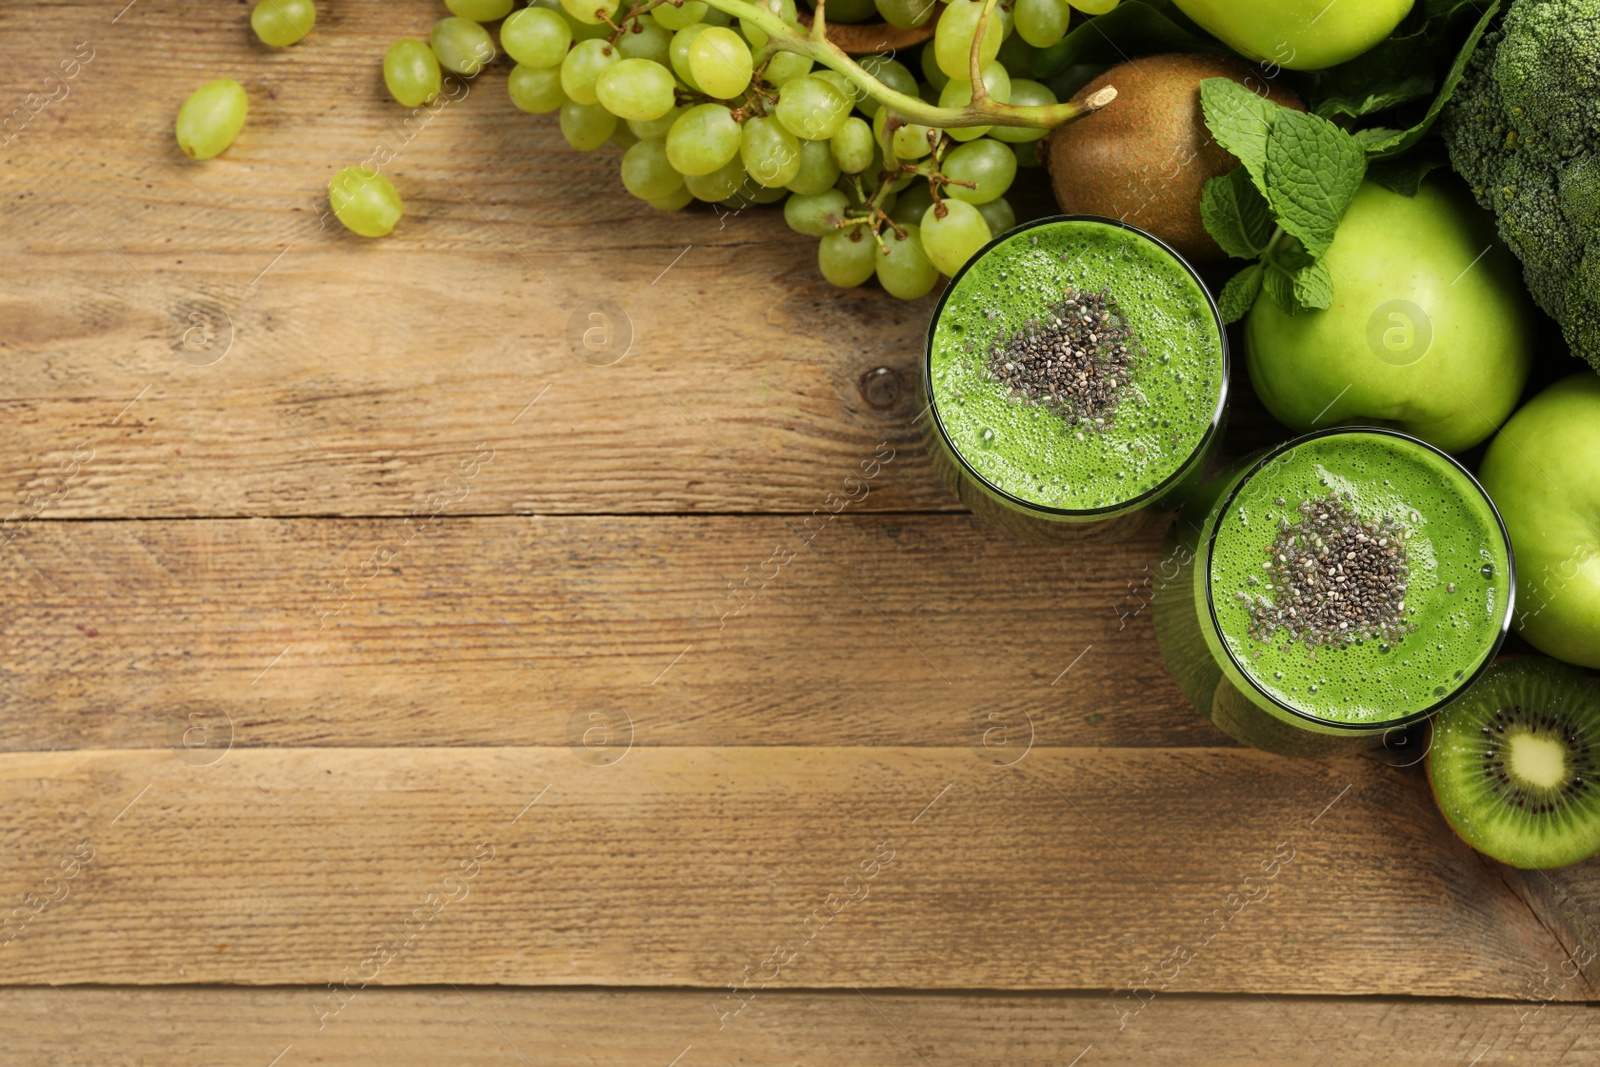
394	675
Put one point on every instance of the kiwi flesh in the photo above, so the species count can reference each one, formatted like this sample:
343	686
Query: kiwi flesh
1515	763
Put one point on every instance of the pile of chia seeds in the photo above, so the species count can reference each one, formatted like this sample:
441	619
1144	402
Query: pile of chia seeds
1332	578
1075	360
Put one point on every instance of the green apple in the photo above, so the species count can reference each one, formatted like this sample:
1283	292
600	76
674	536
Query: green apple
1298	34
1429	332
1543	473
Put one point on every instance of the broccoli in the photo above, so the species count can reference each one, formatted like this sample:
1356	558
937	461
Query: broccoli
1523	129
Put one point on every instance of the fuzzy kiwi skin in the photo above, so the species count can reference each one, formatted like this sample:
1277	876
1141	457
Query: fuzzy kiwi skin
1538	683
1145	157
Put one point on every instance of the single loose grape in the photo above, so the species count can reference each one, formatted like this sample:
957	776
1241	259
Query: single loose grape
536	90
909	208
989	164
411	72
1042	22
906	13
672	201
678	52
891	73
461	45
770	153
583	67
680	16
364	201
910	141
958	93
998	214
812	108
955	237
536	37
720	61
906	271
952	41
930	70
655	129
636	89
280	23
1024	93
480	10
647	173
757	37
591	12
816	216
817	170
848	257
852	146
645	39
719	184
785	67
211	118
586	126
703	139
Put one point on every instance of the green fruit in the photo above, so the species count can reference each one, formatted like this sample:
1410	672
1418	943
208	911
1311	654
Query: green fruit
211	118
1298	34
1514	763
1543	473
364	201
1429	331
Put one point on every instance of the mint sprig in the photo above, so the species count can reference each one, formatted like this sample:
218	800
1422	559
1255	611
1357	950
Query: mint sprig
1282	206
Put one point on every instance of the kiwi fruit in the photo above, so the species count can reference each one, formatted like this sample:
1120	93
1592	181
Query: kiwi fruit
1145	157
1515	763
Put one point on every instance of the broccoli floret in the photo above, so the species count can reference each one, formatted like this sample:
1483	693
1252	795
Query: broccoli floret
1524	130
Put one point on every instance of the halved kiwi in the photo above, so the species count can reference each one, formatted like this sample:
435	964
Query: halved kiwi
1515	763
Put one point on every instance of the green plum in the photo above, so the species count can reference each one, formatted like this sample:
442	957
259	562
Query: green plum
1543	473
1429	332
1298	34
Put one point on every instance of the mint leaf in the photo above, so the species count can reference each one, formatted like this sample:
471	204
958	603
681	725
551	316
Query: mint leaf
1240	292
1236	215
1313	287
1279	285
1313	168
1240	121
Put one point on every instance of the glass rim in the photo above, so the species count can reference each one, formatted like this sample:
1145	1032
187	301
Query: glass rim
1213	427
1466	683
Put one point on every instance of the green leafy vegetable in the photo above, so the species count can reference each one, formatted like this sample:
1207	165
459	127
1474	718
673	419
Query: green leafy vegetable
1313	169
1236	215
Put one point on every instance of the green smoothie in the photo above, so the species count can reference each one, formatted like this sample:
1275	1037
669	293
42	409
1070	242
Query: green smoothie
1077	438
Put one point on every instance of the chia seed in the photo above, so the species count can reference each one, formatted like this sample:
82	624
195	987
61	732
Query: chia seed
1335	578
1074	360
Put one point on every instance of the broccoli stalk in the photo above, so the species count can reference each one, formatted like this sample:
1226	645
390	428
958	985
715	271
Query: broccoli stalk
1524	130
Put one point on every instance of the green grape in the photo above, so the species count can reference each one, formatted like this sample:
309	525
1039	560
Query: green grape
953	239
910	141
720	61
931	71
592	12
812	108
582	68
852	92
958	93
480	10
283	22
852	146
680	16
785	67
784	9
647	173
672	201
998	214
623	137
989	164
851	10
908	210
1024	93
1042	22
636	89
211	118
535	37
891	73
1026	153
750	194
655	129
364	201
536	90
817	171
645	39
762	195
770	153
816	216
586	31
678	52
1007	21
719	184
411	72
703	139
952	41
906	13
461	45
906	271
714	17
848	257
1095	7
586	126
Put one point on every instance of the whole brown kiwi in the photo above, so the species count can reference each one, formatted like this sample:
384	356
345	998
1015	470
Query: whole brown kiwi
1147	155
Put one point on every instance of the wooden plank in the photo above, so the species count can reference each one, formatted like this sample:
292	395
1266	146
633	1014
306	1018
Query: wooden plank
1208	870
483	1027
878	630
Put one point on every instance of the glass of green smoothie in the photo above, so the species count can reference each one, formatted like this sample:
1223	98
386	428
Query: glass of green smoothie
1332	590
1076	372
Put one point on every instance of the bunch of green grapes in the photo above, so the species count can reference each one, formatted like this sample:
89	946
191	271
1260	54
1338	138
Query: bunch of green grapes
702	110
